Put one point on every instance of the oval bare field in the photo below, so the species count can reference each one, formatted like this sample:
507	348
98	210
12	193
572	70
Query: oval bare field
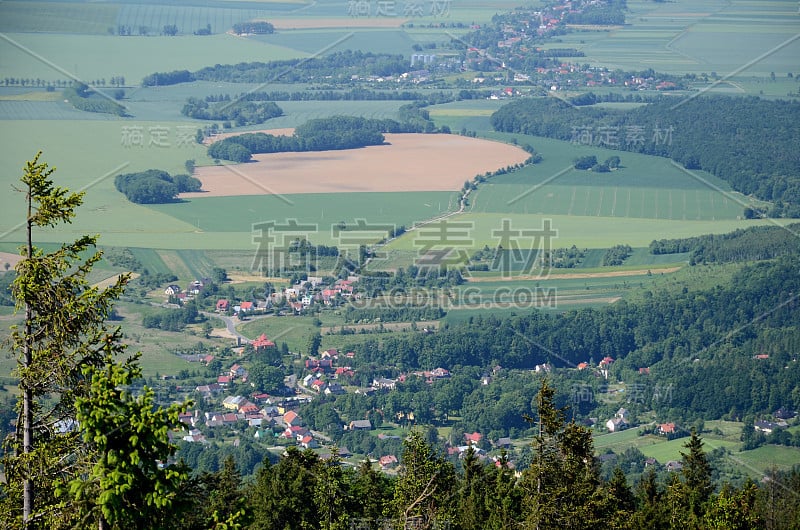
406	162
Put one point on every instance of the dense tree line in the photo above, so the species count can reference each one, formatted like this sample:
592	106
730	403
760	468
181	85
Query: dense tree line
84	98
168	78
154	186
353	94
608	13
719	134
744	244
239	112
173	319
339	65
254	27
400	314
322	134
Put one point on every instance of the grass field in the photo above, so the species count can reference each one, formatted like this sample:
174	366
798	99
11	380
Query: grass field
583	232
54	56
702	36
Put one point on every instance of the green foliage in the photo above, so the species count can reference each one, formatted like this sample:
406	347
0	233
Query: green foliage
750	244
259	27
83	98
240	112
585	162
154	186
322	134
616	255
67	379
424	486
718	134
129	482
342	65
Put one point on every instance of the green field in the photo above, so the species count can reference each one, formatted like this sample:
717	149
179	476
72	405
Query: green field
54	56
583	232
702	36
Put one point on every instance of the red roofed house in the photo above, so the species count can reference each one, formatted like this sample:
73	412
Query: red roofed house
245	307
222	305
667	428
606	361
387	461
262	342
224	379
248	407
237	370
308	442
292	419
582	366
473	438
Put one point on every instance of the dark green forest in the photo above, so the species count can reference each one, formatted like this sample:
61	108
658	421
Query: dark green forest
341	64
239	112
154	186
322	134
725	136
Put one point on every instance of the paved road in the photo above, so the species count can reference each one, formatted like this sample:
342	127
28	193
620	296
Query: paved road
230	323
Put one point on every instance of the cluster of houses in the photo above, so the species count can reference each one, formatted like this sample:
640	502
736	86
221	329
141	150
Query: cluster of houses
175	293
297	297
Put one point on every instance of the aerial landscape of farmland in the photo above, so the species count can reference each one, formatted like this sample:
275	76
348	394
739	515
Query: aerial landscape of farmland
400	264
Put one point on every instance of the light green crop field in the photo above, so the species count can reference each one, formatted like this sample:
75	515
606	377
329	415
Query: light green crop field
67	145
583	232
323	211
60	17
737	37
54	56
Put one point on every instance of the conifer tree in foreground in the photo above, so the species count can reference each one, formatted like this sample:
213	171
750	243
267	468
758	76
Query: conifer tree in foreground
85	451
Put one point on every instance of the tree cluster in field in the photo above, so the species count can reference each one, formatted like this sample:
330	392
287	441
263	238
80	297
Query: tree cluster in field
611	13
744	244
376	283
84	98
173	319
494	259
339	65
253	27
322	134
719	134
154	186
241	113
399	314
616	255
